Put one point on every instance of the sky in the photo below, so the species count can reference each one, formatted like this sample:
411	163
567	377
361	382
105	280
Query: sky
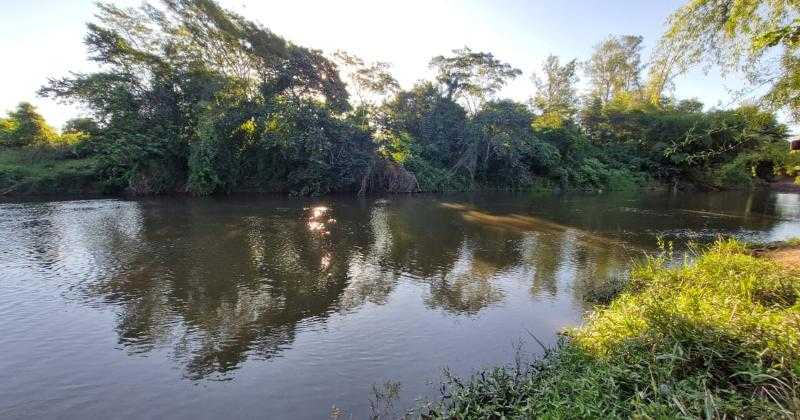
43	39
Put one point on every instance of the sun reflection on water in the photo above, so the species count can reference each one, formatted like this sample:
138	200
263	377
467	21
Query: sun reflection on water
318	221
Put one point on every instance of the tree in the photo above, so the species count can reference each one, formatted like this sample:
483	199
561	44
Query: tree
81	125
192	97
187	91
26	127
7	128
556	96
665	64
368	81
689	106
738	35
473	76
615	66
435	124
503	150
190	38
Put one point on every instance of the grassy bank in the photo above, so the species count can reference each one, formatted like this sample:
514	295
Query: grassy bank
44	171
718	337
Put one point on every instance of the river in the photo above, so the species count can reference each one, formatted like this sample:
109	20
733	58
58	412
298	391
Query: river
273	307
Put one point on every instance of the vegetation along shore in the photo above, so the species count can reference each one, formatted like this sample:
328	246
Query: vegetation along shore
193	98
718	337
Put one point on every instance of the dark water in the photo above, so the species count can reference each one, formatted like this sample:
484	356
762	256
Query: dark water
281	308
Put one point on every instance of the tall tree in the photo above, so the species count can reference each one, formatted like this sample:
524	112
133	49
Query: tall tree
81	125
472	76
436	123
556	95
615	66
370	82
189	37
192	96
743	35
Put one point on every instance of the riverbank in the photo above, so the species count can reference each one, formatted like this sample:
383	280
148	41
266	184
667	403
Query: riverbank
719	337
39	172
786	185
786	254
51	172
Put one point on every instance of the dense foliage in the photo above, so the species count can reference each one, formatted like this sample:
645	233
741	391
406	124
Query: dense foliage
717	338
193	98
25	127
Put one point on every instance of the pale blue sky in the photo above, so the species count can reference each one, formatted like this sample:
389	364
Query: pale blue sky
44	37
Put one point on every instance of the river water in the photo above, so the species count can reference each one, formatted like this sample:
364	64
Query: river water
272	307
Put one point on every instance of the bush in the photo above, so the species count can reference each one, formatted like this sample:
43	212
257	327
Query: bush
432	178
42	171
735	174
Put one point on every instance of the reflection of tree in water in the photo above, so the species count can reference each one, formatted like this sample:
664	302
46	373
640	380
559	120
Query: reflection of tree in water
220	284
425	238
230	287
224	287
56	237
575	259
369	280
600	271
555	255
468	284
468	287
542	251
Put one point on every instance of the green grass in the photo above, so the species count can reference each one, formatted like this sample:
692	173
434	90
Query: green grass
44	171
715	338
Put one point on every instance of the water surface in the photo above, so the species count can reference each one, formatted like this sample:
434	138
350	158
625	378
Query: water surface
243	307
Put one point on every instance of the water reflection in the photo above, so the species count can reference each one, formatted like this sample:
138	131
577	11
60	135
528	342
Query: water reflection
221	282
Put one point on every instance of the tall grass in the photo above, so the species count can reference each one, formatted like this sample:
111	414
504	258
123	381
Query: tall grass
45	170
715	338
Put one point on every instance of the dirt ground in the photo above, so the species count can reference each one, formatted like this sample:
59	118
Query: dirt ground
788	257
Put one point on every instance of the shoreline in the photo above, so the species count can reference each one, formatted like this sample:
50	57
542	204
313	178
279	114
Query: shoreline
785	185
785	253
89	189
710	338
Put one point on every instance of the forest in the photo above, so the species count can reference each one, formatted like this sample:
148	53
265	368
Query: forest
192	98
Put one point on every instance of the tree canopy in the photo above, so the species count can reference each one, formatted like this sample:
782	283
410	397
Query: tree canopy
473	76
615	66
25	127
757	37
191	97
556	96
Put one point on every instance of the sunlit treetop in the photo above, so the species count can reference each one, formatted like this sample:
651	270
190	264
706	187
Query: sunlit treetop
556	94
473	76
151	44
25	127
368	81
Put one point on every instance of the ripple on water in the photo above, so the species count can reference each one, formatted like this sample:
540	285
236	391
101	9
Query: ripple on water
188	307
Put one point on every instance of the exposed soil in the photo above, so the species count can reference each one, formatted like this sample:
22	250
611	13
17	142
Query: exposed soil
787	257
784	254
